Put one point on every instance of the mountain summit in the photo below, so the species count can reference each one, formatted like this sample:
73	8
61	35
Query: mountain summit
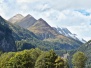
16	18
27	21
43	29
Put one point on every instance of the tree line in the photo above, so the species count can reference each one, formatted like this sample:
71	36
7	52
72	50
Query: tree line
36	58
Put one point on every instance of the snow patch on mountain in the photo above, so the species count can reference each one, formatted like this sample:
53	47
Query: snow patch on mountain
67	33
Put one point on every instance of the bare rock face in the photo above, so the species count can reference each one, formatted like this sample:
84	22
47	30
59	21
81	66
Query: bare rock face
27	21
16	18
7	42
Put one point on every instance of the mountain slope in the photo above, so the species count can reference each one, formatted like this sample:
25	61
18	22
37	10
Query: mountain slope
20	33
11	34
16	18
67	33
45	32
44	37
7	42
27	21
86	48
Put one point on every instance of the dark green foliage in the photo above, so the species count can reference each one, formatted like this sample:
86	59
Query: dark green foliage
1	52
4	58
48	60
21	45
86	48
21	60
34	58
79	60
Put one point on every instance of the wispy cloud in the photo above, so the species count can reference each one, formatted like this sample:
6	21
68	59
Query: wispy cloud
81	31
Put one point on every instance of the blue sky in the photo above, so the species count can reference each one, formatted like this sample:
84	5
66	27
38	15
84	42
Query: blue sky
73	14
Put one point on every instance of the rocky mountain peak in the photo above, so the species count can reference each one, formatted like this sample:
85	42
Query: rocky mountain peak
16	18
18	15
29	15
41	19
27	21
42	23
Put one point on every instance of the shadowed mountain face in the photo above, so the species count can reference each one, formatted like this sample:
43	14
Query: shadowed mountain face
7	42
10	33
27	21
16	18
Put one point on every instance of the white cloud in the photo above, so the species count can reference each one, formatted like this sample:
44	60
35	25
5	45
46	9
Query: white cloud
62	4
26	1
3	8
71	4
1	1
81	31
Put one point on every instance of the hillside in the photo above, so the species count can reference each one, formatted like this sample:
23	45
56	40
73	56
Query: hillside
45	32
11	34
7	42
86	48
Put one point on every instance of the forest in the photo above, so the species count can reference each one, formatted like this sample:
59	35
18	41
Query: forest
36	58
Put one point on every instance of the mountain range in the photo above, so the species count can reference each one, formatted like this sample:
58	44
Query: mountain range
21	32
27	21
